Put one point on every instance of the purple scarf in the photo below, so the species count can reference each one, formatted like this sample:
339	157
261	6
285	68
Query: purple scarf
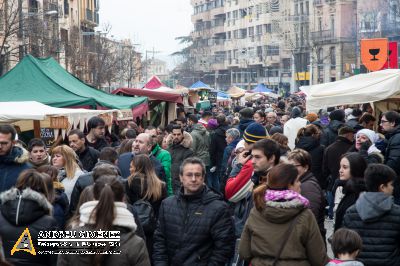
285	195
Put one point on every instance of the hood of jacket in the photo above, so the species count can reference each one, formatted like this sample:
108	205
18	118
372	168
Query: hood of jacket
123	217
16	155
307	143
335	125
200	129
24	207
206	195
282	212
372	205
234	143
244	123
186	142
221	130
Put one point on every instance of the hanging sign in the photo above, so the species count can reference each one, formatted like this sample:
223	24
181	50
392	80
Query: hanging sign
59	122
392	61
374	53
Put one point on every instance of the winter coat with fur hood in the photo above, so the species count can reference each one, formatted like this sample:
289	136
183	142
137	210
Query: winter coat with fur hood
20	210
11	165
132	247
179	152
265	230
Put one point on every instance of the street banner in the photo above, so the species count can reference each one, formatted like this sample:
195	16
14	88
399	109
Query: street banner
374	53
392	57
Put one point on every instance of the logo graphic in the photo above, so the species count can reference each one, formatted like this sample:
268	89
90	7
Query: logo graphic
24	243
374	53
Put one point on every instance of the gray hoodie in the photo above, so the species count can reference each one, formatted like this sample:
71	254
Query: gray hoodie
344	263
373	205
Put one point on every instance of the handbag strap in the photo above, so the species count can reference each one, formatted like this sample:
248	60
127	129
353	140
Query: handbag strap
286	238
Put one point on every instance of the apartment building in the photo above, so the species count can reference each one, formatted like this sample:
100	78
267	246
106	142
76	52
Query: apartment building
286	43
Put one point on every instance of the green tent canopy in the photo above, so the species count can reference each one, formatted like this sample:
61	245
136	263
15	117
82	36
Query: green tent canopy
45	81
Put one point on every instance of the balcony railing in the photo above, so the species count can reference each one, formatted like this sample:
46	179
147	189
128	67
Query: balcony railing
323	36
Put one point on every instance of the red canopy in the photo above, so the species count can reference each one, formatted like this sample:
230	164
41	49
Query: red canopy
154	83
152	94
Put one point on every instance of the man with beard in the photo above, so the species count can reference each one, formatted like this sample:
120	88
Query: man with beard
88	156
143	144
179	150
13	159
95	138
265	155
38	155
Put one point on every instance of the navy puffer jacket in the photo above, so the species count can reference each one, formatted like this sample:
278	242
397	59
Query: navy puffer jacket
376	219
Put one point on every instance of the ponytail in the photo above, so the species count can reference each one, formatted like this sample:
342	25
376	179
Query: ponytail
104	211
258	197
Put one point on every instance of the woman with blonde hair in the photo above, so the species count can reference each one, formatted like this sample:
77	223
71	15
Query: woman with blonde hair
144	185
65	160
281	229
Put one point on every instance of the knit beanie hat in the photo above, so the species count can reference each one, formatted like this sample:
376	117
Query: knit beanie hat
212	124
371	135
255	132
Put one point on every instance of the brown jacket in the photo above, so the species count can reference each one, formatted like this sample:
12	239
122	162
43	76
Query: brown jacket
264	232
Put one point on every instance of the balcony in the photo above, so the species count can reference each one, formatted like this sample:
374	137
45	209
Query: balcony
324	36
318	3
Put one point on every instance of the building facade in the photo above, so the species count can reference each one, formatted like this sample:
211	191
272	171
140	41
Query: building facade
285	43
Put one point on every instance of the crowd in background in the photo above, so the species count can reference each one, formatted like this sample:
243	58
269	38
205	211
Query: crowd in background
248	185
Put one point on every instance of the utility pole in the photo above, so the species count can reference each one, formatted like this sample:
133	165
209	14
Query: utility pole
147	63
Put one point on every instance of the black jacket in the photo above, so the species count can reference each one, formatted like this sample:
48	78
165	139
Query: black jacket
351	190
217	146
194	230
11	165
331	161
60	207
88	158
330	133
392	159
312	146
179	152
99	144
20	210
376	220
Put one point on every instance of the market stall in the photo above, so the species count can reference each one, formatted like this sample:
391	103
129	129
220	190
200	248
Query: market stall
379	88
45	81
47	120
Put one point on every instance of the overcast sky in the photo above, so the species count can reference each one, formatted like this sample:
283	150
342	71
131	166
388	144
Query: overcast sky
151	23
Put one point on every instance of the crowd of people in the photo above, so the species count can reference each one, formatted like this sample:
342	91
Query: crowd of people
251	185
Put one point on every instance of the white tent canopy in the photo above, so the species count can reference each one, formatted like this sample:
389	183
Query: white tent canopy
363	88
31	110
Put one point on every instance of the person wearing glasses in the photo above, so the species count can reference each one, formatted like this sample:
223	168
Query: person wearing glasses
13	159
194	226
390	125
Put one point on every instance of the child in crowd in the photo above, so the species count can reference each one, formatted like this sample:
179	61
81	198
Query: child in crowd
346	244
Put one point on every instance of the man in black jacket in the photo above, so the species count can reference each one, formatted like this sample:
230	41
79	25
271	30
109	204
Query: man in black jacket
390	123
95	138
376	218
217	147
195	227
88	156
331	162
330	133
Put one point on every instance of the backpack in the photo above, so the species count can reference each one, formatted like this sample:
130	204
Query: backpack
146	215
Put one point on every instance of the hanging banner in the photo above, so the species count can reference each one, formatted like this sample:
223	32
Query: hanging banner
392	56
374	53
59	122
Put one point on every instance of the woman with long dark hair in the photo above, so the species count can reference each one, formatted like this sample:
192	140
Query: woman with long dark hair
108	212
144	185
281	228
308	139
350	184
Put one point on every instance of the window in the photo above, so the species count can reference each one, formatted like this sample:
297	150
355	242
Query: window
251	31
236	34
333	24
333	57
307	8
301	9
267	28
259	30
1	20
319	24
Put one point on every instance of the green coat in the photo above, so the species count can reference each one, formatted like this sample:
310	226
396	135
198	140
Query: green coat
201	143
165	159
